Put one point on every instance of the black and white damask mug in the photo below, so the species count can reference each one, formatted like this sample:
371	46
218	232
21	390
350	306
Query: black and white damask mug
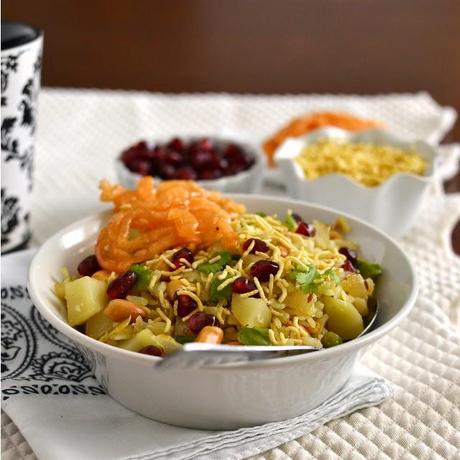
20	63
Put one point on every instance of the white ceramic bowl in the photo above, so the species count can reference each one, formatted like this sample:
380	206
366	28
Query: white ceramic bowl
248	181
233	395
392	206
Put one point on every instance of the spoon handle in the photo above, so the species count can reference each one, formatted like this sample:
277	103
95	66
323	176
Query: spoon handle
196	346
196	355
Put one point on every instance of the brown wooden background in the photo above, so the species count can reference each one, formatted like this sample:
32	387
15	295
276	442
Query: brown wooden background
252	46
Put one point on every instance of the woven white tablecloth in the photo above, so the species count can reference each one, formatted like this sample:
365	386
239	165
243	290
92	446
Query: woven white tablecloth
81	131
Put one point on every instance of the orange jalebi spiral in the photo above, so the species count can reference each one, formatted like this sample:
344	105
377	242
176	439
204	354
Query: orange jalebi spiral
147	221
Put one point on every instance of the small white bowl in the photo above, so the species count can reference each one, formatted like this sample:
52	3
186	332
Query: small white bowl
391	206
233	395
248	181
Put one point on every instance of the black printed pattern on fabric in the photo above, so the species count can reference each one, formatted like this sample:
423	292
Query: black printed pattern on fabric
36	358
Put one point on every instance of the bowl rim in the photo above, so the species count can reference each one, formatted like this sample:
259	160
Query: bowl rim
105	349
284	154
259	157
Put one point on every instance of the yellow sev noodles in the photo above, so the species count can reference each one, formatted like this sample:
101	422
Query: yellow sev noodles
366	163
289	325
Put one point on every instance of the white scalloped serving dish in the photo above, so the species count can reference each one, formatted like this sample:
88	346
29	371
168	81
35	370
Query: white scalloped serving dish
391	206
248	181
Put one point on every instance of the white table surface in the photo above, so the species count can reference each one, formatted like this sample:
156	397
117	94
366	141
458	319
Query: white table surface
80	132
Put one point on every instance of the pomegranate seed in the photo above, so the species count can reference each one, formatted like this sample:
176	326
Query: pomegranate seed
262	269
233	151
185	173
259	245
350	255
139	166
348	266
222	164
120	287
185	305
159	154
174	158
297	218
183	253
210	174
201	159
216	162
199	320
232	169
128	156
242	285
236	156
203	144
177	145
141	146
151	350
305	229
88	266
166	171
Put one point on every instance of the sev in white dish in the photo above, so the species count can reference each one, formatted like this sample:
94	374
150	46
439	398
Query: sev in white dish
366	163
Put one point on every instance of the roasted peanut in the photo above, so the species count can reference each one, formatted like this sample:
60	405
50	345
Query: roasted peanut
120	309
102	275
284	251
210	334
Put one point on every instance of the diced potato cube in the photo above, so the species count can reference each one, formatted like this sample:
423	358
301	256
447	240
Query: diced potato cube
141	340
251	312
146	338
167	343
59	290
158	327
354	285
343	318
98	325
85	297
361	306
297	303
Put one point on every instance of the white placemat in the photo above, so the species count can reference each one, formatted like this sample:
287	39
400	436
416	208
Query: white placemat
81	131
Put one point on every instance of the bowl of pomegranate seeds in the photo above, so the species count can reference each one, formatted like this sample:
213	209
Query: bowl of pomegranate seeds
215	163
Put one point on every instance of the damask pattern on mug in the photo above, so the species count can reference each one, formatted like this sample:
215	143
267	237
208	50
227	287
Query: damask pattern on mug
20	85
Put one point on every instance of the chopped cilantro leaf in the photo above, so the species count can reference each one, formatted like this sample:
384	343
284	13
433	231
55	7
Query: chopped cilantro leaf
331	274
290	222
224	294
144	276
254	336
369	269
225	259
305	279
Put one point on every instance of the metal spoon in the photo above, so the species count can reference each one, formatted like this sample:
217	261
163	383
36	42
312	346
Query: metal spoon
195	355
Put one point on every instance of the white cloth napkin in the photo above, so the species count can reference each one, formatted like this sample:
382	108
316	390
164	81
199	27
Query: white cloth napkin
50	393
